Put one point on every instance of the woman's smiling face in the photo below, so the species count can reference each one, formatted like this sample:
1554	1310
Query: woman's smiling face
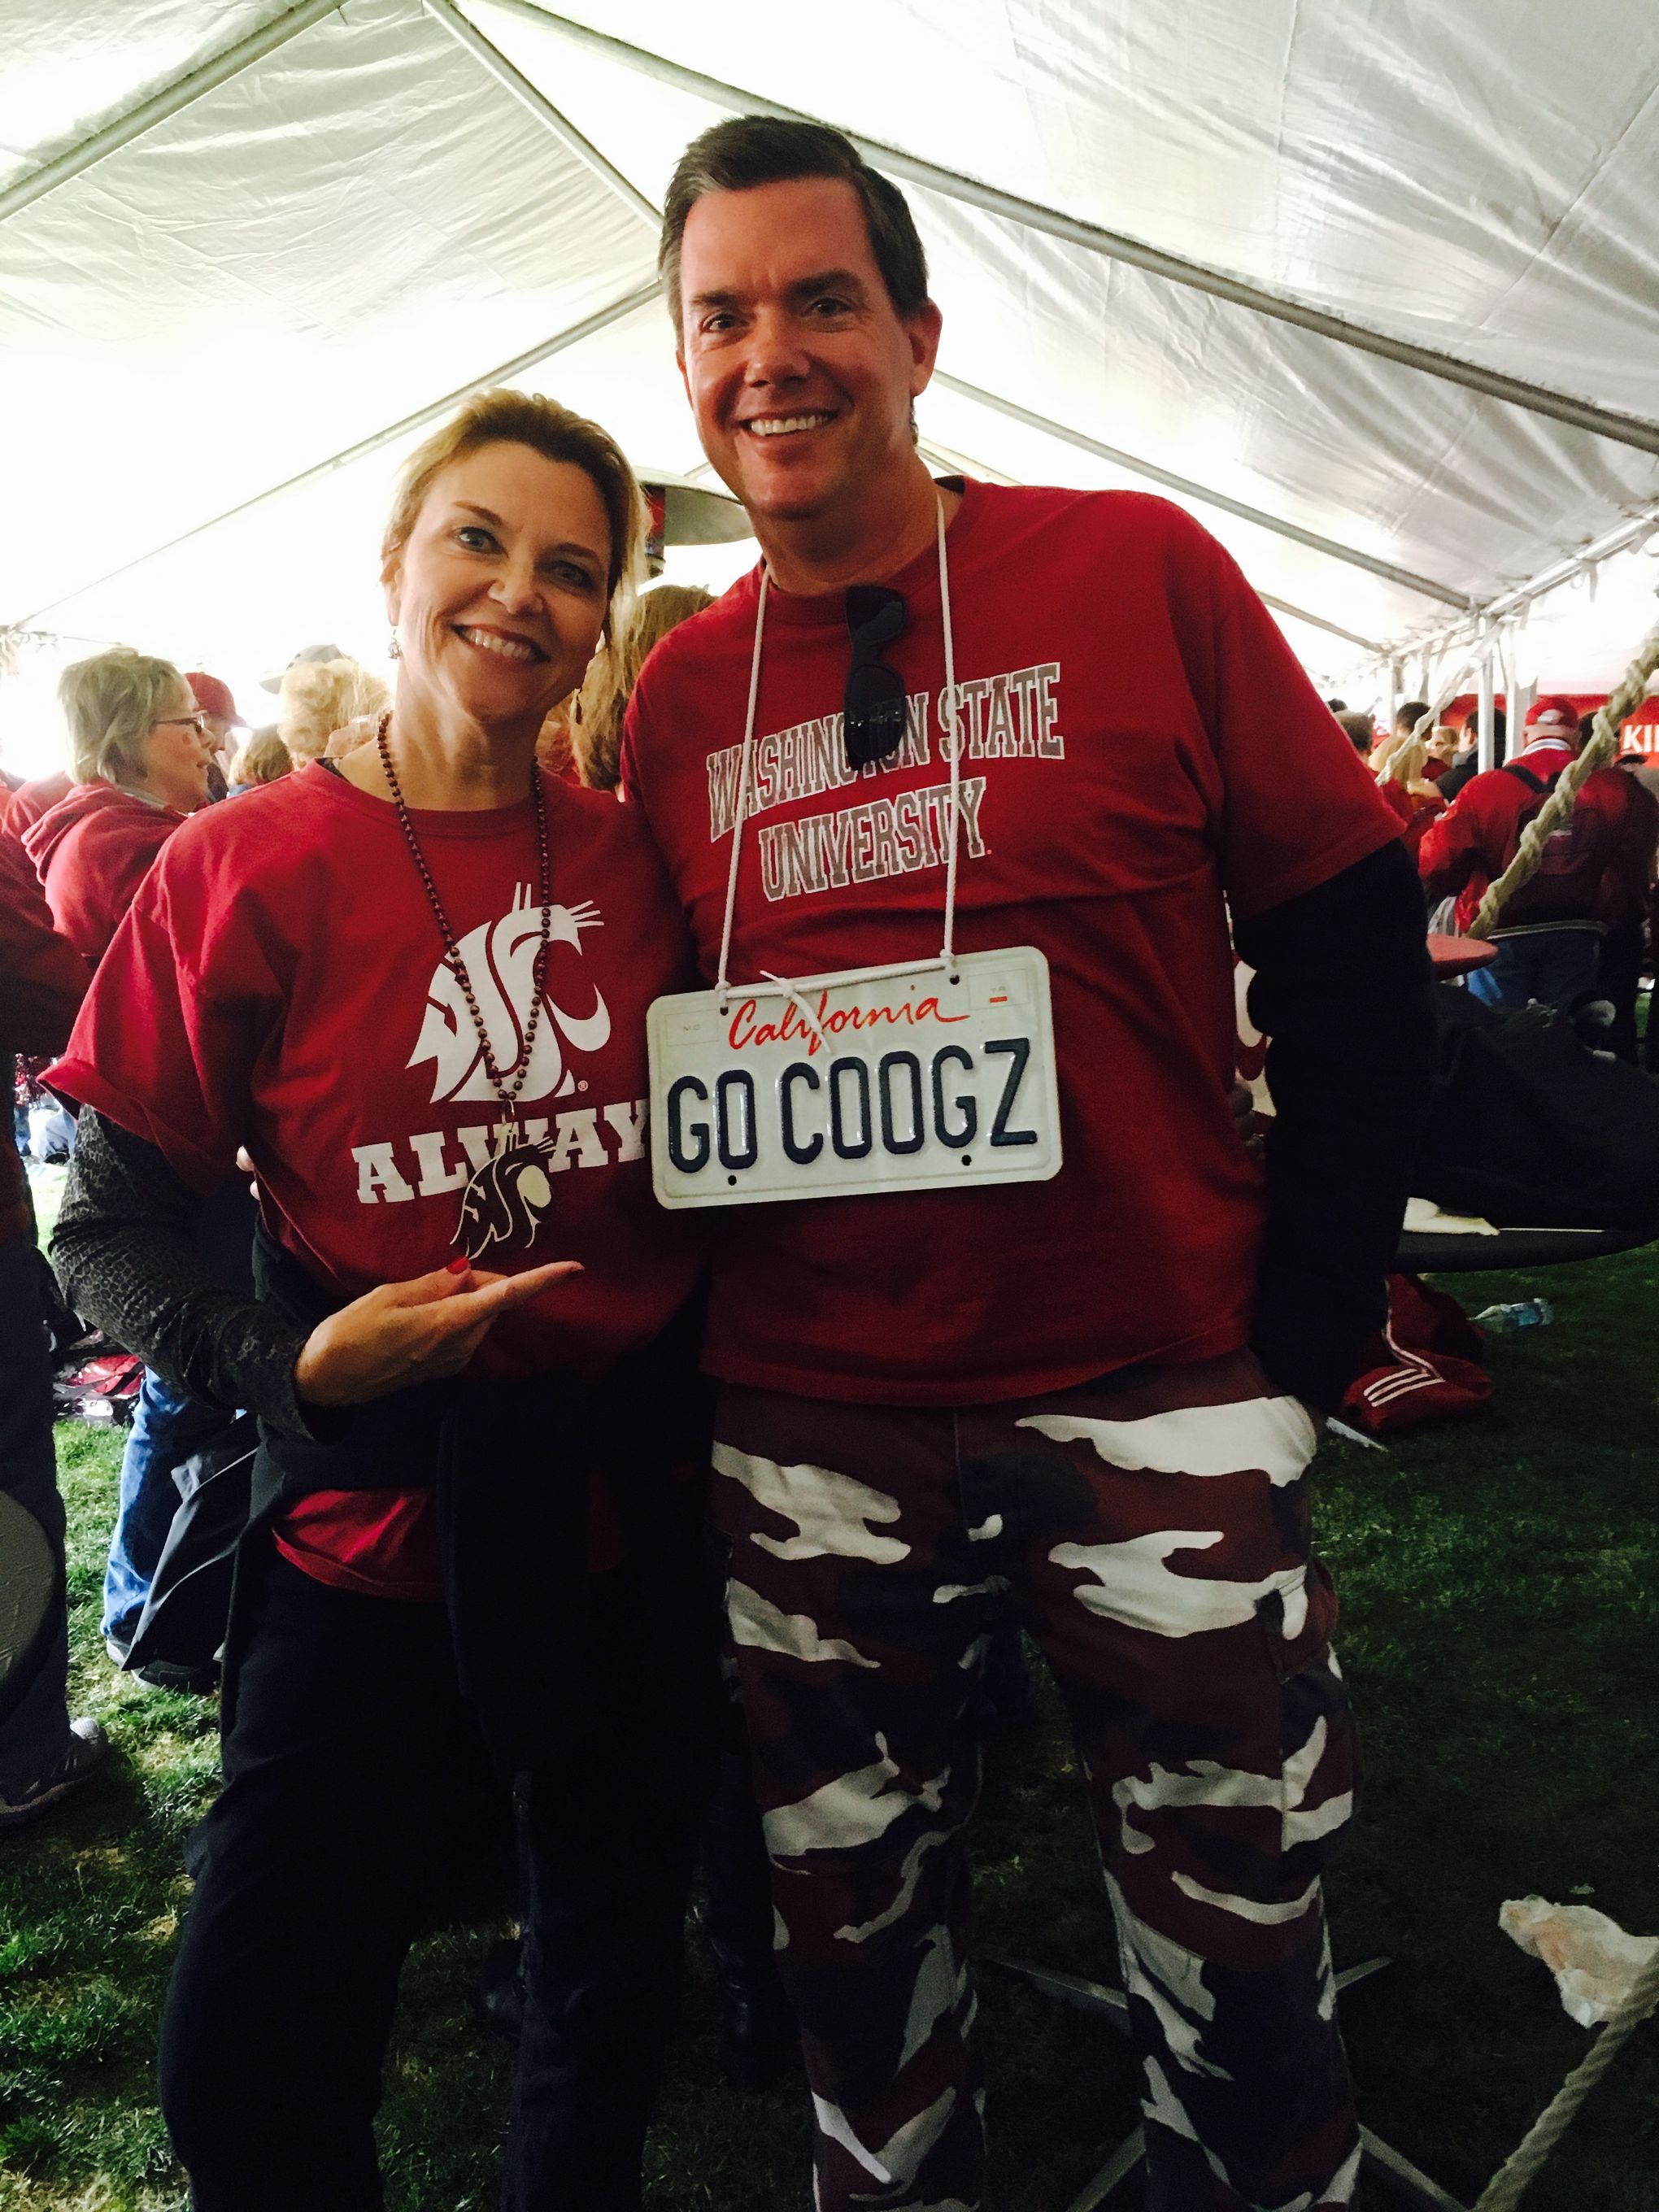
499	594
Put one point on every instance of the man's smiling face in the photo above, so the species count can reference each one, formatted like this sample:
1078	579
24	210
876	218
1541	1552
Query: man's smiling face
799	371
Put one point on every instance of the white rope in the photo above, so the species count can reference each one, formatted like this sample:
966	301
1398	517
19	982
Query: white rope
1602	749
743	787
1516	2175
948	954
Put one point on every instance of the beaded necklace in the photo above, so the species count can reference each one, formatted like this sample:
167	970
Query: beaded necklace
505	1197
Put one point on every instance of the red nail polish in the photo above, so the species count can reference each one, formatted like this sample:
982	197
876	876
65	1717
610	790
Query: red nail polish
459	1264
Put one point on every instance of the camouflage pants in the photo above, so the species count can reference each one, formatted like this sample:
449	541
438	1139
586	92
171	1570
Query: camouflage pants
1151	1531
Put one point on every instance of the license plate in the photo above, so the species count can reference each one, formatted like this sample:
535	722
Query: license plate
916	1082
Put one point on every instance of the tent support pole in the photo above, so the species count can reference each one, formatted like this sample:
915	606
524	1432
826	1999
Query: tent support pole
503	372
491	57
162	105
1582	414
1519	599
1397	678
1487	728
1316	622
1406	579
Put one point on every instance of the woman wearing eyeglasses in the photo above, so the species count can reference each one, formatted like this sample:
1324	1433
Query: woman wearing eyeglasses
140	748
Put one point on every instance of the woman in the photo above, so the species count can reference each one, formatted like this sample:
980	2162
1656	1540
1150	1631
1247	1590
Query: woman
596	712
141	748
263	758
320	697
412	983
1401	779
1440	750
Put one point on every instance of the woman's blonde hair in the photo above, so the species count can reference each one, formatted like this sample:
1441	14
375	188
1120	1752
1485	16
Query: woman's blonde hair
321	696
111	703
596	719
263	759
1403	762
526	418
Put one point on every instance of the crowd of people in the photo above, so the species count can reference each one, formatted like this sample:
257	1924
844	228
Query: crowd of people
1582	931
393	959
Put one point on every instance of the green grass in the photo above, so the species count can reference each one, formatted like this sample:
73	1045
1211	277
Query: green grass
1500	1585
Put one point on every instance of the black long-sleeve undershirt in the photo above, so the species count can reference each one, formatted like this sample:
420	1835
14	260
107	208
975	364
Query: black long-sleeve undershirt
128	1250
1341	991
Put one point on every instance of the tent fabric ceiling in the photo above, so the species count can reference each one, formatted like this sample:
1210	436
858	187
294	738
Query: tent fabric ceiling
364	219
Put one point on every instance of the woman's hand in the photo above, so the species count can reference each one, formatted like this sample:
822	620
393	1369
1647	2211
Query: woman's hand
414	1332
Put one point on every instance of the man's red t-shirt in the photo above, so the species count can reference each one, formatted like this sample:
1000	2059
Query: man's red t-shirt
279	984
1141	748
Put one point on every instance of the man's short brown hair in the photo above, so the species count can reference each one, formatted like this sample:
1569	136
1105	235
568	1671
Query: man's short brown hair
749	150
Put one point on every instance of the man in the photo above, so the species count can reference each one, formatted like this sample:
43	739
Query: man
1466	761
1408	716
320	655
942	1410
45	1756
1550	934
1359	730
1406	719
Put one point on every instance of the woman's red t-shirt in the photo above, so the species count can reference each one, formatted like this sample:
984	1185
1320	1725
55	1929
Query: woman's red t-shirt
279	984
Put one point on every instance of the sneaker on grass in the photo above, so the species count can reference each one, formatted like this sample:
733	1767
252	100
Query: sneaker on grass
80	1760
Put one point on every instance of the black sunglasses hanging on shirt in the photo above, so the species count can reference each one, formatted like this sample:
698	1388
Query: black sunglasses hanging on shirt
873	705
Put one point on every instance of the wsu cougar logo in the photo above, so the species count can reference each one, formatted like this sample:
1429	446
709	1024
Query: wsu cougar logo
499	957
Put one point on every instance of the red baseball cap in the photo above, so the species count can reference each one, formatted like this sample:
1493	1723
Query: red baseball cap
1553	718
214	697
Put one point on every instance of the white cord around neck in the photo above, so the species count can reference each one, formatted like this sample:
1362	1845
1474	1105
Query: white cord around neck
951	719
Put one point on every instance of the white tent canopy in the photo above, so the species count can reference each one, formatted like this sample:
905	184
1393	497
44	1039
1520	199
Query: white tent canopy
1381	278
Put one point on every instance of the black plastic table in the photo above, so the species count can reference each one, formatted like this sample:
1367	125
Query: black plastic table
1424	1252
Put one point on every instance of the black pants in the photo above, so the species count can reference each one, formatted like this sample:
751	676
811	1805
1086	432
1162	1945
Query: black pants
353	1772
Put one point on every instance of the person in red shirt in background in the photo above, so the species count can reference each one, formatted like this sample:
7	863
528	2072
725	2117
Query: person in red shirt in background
1078	1404
1403	781
1628	887
141	748
1550	932
44	1754
19	809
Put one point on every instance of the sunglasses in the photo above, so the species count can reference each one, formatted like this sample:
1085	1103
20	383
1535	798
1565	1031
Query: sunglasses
872	704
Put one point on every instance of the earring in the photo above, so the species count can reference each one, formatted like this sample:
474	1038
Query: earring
394	651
